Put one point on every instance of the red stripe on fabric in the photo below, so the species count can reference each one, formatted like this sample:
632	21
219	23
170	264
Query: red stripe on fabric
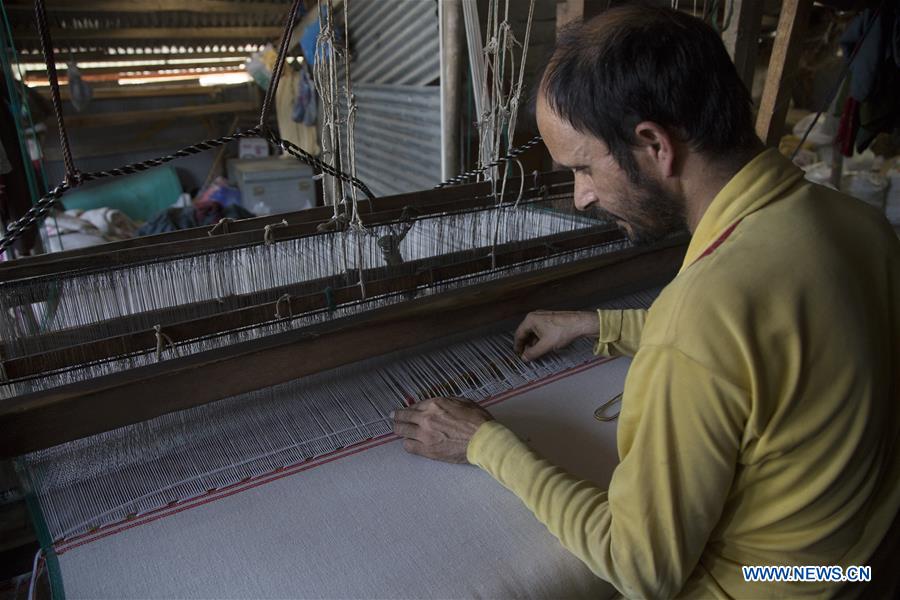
719	240
235	488
248	484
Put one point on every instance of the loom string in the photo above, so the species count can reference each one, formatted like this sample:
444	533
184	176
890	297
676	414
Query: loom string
439	373
449	370
193	279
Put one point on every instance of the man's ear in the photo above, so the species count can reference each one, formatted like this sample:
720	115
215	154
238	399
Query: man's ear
655	148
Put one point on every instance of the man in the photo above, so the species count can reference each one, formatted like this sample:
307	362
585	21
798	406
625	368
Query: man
759	420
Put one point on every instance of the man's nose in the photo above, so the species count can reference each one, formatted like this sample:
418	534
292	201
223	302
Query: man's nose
584	196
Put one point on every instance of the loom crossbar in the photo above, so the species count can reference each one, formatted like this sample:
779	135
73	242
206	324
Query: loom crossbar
304	298
250	231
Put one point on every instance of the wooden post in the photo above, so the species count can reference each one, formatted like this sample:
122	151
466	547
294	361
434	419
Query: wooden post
568	11
782	68
742	38
451	51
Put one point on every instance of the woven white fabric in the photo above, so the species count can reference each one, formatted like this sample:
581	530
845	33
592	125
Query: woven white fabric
377	523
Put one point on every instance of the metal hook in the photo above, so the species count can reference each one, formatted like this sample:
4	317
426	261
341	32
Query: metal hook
600	413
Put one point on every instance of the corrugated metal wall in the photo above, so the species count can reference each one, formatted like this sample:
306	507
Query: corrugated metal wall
398	128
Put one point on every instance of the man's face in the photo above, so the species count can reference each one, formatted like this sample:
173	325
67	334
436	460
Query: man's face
642	208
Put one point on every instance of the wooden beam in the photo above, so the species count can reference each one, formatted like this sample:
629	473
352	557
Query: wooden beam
146	6
140	253
111	79
249	231
141	91
139	66
256	308
568	11
63	55
128	117
782	70
170	34
70	412
742	38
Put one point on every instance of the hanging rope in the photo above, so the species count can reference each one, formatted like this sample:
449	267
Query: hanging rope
490	103
500	94
162	340
222	224
279	65
351	114
269	234
325	79
515	98
286	299
47	48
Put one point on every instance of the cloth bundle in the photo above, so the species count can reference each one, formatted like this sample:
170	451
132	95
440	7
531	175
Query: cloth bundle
82	228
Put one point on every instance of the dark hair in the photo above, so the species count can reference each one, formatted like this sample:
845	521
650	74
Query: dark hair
640	63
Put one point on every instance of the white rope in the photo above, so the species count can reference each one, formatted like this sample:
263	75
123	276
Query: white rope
269	235
476	52
161	340
286	298
325	79
222	224
501	84
517	93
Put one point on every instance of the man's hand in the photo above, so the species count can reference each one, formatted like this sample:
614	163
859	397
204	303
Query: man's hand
440	428
546	330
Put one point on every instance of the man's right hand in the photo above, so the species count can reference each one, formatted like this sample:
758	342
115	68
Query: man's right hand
546	330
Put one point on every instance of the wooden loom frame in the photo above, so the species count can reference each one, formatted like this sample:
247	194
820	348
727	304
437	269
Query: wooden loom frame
293	300
258	307
44	419
246	232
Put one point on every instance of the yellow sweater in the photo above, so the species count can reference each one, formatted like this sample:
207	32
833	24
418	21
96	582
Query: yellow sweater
759	420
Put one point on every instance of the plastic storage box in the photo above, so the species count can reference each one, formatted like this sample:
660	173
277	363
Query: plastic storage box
281	185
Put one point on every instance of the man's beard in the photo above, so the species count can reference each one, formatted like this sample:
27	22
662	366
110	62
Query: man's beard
651	212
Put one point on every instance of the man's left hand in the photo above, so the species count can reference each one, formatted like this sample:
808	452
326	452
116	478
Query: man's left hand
440	428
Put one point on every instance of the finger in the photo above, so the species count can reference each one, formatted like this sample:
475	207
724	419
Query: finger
536	350
406	430
521	344
524	333
406	415
414	447
462	402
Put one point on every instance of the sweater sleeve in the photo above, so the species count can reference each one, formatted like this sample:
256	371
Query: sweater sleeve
620	331
679	435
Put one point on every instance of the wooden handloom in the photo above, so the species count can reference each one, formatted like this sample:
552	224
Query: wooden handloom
44	419
55	416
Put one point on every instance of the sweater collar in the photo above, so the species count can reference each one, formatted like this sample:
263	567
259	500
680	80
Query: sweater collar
764	179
